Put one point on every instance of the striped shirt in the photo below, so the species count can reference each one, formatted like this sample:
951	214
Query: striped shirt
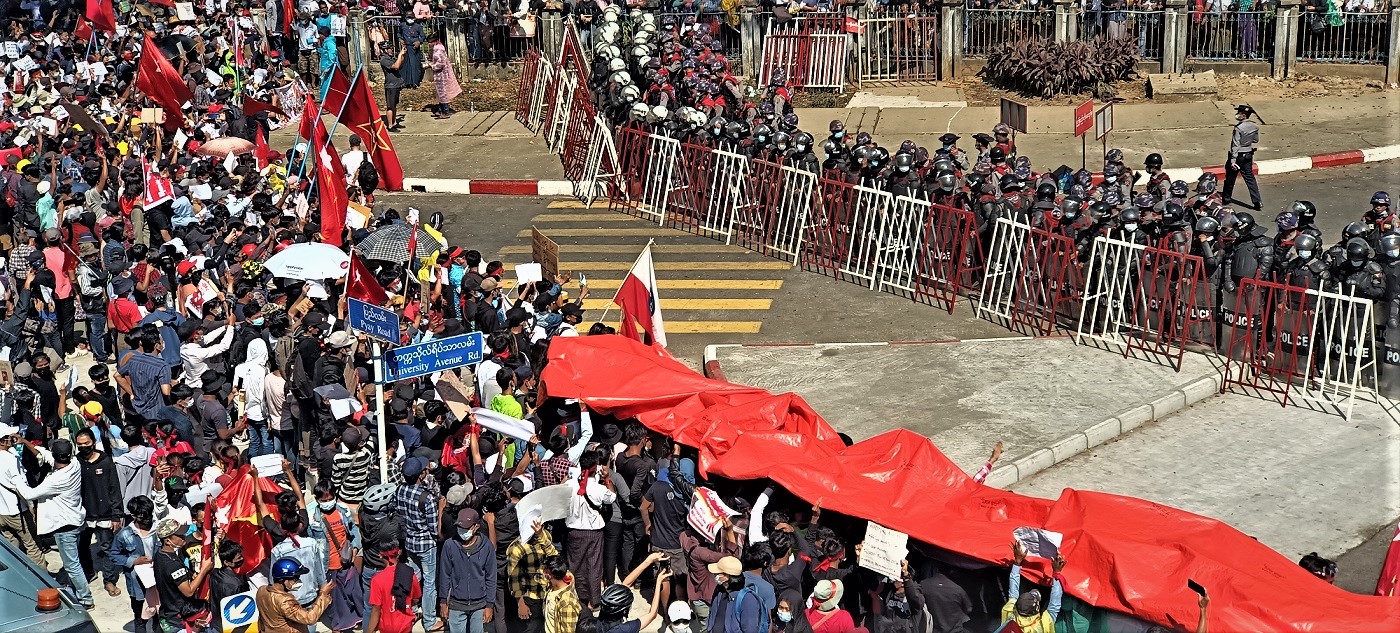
350	474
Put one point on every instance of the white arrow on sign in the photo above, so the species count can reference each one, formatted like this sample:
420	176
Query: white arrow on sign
239	609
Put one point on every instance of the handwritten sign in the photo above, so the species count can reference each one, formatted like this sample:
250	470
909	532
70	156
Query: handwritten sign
883	550
184	11
544	252
708	512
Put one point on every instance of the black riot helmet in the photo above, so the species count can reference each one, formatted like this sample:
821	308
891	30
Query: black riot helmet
1357	250
1390	246
1154	160
1244	222
997	155
903	163
1307	212
1010	183
1173	214
1208	226
947	182
1353	230
1070	208
1100	210
1046	191
1306	245
802	142
1130	215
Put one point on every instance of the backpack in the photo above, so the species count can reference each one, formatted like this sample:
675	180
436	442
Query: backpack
366	173
732	620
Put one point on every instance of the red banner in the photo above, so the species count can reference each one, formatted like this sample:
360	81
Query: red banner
1084	117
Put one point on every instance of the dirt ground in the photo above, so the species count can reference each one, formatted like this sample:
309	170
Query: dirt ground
485	93
1241	87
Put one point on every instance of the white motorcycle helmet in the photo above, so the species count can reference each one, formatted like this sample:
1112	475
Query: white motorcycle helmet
616	64
638	112
631	93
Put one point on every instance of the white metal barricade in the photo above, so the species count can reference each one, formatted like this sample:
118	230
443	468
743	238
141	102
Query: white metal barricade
539	94
865	229
1342	356
1002	275
600	164
563	106
790	210
729	195
663	152
904	232
1108	314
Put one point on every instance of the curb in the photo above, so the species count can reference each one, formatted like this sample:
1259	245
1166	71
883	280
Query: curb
565	188
1060	449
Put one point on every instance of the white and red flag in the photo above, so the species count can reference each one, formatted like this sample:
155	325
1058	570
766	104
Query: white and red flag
641	303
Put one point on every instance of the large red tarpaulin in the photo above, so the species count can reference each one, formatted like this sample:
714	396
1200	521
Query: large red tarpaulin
1125	554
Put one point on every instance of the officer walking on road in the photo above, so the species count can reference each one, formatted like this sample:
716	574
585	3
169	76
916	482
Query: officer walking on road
1241	159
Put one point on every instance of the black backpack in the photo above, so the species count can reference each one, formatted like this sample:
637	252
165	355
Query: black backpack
366	173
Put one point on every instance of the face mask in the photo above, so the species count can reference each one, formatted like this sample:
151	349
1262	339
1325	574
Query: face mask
296	586
258	322
1130	227
1110	179
946	146
466	535
785	616
680	628
838	135
84	451
326	506
1392	254
1307	254
1355	262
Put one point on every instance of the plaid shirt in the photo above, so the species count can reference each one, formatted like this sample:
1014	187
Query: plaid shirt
524	565
555	470
561	609
418	505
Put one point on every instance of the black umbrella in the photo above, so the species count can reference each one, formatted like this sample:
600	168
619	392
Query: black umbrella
390	244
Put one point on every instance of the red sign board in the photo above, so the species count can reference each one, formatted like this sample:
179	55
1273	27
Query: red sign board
1084	117
853	26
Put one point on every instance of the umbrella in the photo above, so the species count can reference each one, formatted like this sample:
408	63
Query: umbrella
221	147
390	244
311	260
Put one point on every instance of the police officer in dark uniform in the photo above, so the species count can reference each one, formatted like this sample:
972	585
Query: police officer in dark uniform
1157	180
1358	274
1337	253
1306	269
1207	246
1044	205
837	131
1287	223
1389	261
1252	254
802	157
1240	161
943	190
1380	219
1175	228
1129	227
1307	218
902	181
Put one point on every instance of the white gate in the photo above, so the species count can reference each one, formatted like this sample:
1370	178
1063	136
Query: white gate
1342	356
790	211
1108	314
866	228
563	106
539	94
663	152
600	164
904	232
729	195
1002	274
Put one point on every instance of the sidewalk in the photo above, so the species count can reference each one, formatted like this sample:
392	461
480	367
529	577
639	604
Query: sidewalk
1299	134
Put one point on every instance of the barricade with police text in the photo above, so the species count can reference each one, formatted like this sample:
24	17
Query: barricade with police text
1139	299
1032	282
775	223
714	189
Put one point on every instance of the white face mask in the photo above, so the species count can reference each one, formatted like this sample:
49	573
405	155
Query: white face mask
680	628
1130	227
296	586
326	506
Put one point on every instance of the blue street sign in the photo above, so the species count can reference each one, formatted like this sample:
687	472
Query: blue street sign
381	323
422	359
238	610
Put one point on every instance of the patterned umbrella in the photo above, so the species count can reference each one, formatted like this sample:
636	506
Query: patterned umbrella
390	244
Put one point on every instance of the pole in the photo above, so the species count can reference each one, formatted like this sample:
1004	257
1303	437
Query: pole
1084	151
378	352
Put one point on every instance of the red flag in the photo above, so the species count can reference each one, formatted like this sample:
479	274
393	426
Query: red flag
360	284
101	15
640	302
158	189
289	9
260	149
159	80
412	246
164	3
1389	582
236	514
330	177
361	114
82	32
337	93
252	106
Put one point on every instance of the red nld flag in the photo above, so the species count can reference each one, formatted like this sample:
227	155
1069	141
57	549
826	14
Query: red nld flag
289	9
260	149
162	83
640	302
361	284
235	512
361	114
252	106
102	17
82	32
330	178
337	93
1389	582
158	189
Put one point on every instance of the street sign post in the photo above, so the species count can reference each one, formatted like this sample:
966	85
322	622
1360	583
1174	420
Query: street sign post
1013	114
1083	120
412	361
1103	124
380	323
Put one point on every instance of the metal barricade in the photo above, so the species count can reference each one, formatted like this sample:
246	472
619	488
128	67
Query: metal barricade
1349	38
600	165
1245	35
951	258
987	29
578	135
1140	299
1147	27
865	222
539	96
1342	363
646	174
714	188
811	49
897	45
902	246
782	200
560	109
1032	279
825	243
536	75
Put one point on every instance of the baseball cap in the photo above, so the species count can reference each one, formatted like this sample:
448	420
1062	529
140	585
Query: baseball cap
249	249
728	566
679	611
169	527
413	466
468	518
457	495
185	267
92	410
62	450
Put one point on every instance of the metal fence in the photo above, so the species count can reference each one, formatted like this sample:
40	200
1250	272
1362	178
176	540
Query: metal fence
1147	27
1234	35
1351	38
987	29
897	45
468	41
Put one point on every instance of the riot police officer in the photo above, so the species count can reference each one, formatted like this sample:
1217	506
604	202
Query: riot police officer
1252	254
1207	246
902	181
944	191
1358	274
1338	252
1157	180
1389	261
1044	204
838	135
1306	268
1287	223
1307	218
801	156
1129	227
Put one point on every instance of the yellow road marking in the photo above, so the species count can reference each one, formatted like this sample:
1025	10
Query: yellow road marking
687	284
582	217
760	265
632	249
651	232
708	327
691	304
575	204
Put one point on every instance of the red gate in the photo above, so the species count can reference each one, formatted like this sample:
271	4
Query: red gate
951	260
826	243
529	75
691	199
1269	329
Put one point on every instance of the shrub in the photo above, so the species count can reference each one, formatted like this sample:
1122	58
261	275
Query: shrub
1045	68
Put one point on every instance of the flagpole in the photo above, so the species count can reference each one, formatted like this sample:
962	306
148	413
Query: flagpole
330	133
377	356
614	302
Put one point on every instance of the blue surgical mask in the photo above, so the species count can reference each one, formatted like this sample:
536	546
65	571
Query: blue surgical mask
466	535
785	616
258	322
838	135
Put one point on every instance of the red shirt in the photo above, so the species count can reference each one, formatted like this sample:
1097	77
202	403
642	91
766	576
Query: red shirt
381	594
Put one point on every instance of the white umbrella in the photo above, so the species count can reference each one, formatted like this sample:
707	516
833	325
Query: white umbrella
311	260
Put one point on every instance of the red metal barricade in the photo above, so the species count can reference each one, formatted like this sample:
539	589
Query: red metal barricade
578	135
753	226
827	242
950	258
811	49
1269	330
529	75
631	170
1049	291
1171	283
691	198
